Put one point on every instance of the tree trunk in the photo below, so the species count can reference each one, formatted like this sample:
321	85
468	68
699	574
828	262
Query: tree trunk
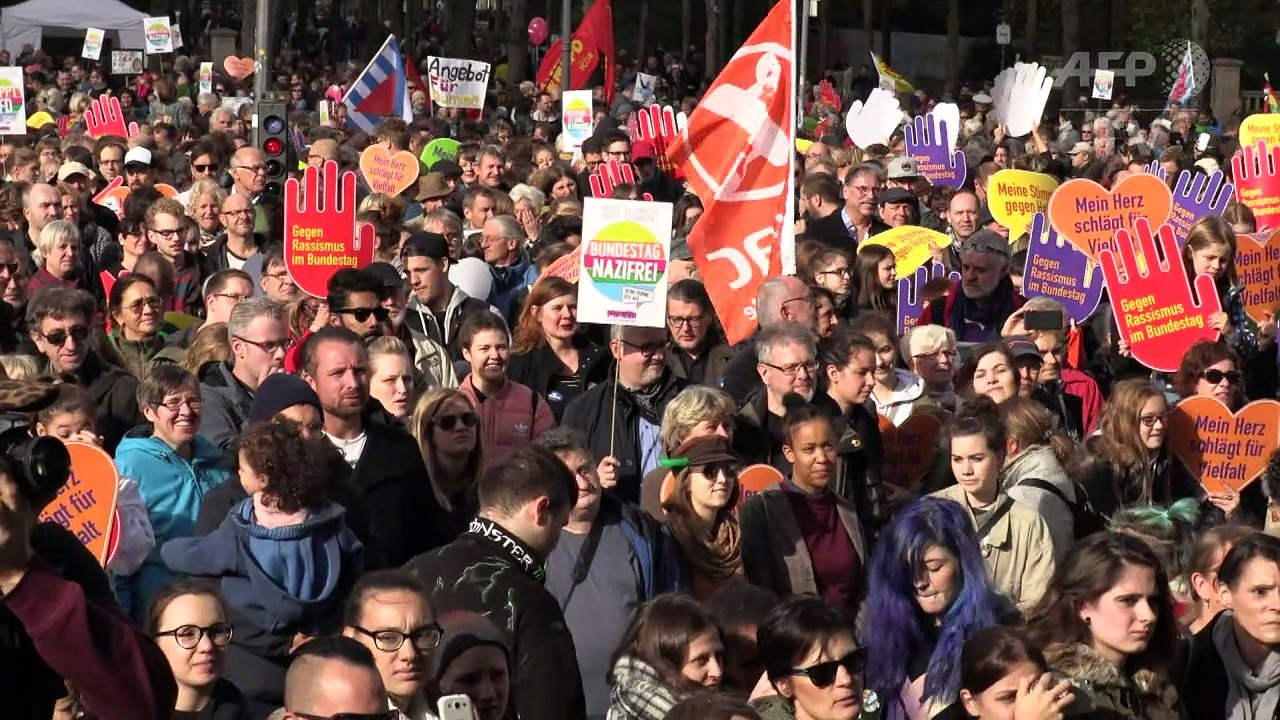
1033	7
249	29
1200	23
714	7
868	21
886	29
1070	28
686	23
723	44
460	19
953	44
641	37
517	34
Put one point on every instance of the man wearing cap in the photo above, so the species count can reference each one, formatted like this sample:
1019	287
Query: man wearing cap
1081	156
902	172
138	169
650	178
437	307
433	190
898	207
978	306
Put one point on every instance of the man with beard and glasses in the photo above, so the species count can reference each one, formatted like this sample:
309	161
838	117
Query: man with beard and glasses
511	415
629	431
387	468
978	306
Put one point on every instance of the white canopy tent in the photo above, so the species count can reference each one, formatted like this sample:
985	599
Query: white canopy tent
27	23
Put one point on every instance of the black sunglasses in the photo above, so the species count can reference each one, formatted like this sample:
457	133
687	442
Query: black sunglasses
449	423
363	314
204	168
1213	376
823	674
58	338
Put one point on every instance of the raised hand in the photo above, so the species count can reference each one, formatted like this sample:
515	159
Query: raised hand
872	123
1196	195
1256	171
1056	269
659	125
105	117
1156	312
926	139
610	175
1022	91
910	303
320	223
1155	168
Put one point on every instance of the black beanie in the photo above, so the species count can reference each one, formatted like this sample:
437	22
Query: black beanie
464	630
278	392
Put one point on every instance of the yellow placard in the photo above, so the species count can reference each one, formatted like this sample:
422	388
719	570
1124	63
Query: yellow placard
1015	196
912	245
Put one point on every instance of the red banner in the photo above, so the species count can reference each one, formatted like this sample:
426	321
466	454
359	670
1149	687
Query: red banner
737	154
591	58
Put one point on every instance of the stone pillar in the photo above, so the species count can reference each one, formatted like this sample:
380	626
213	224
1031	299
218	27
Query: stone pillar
1224	87
222	43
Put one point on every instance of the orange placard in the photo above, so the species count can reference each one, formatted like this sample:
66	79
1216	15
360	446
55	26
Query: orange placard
1258	265
909	449
238	67
1084	212
752	479
386	172
112	197
1224	450
86	504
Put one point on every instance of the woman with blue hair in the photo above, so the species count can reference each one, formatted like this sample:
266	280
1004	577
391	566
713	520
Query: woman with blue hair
929	591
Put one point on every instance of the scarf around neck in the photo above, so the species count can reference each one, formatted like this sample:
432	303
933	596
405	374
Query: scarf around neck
513	547
1249	695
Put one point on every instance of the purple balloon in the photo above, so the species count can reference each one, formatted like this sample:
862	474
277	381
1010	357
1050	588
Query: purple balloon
1057	270
929	150
909	303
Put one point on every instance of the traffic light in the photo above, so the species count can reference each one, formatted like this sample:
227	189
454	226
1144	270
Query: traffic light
271	136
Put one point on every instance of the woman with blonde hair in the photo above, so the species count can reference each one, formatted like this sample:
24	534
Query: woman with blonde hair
548	353
696	411
391	377
1210	249
211	344
447	429
930	352
204	205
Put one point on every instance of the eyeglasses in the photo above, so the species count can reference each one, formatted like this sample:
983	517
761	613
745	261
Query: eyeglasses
12	268
823	674
154	302
236	213
137	169
233	296
424	638
269	347
166	234
205	168
1149	421
189	636
58	338
449	423
174	405
363	314
1213	376
279	276
936	355
388	715
794	369
255	169
648	350
843	272
693	321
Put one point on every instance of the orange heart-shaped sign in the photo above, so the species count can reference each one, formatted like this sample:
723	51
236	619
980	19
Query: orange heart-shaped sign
1258	265
1084	212
1264	127
386	172
238	67
752	479
86	503
909	449
1224	450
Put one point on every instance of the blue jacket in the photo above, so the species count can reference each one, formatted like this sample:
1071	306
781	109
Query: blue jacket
654	548
284	580
173	490
508	282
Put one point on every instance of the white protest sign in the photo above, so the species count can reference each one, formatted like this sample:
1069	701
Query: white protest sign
643	92
206	77
93	38
457	83
1103	83
1020	94
157	34
576	118
1004	34
126	62
623	276
176	33
13	106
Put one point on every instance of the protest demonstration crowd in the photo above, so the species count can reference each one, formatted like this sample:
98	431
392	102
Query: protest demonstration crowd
407	392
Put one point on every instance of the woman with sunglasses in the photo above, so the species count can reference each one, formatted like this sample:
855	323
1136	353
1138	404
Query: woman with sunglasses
284	558
671	649
813	665
447	430
137	314
190	626
700	513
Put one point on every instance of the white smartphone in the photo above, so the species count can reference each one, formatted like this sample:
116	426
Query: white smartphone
454	707
1202	142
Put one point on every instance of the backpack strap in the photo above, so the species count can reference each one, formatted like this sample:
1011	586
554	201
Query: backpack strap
1049	487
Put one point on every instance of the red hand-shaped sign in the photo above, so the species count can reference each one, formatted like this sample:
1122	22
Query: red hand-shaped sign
658	125
105	117
1156	312
321	236
609	176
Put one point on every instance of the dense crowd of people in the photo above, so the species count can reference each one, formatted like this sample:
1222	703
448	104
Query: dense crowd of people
433	488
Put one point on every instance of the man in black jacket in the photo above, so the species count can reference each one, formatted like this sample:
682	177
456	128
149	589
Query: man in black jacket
496	569
59	321
405	517
437	307
630	431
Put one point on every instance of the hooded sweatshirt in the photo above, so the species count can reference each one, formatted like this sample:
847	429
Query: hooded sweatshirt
899	405
1038	461
509	281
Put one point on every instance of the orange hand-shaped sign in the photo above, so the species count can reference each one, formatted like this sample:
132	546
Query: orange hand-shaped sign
322	237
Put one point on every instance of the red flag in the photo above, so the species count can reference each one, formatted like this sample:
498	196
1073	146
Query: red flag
592	61
413	78
737	154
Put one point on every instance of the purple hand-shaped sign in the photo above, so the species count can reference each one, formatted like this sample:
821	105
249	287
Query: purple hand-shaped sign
926	139
910	301
1057	270
1155	168
1197	195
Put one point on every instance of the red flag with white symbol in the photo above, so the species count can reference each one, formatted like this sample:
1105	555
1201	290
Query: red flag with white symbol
737	154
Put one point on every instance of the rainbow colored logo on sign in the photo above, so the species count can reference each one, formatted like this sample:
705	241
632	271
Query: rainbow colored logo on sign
625	261
577	117
10	98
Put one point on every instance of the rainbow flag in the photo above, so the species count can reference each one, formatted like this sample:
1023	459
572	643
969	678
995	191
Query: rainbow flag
890	79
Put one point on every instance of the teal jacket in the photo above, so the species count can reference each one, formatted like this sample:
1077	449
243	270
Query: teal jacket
173	490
